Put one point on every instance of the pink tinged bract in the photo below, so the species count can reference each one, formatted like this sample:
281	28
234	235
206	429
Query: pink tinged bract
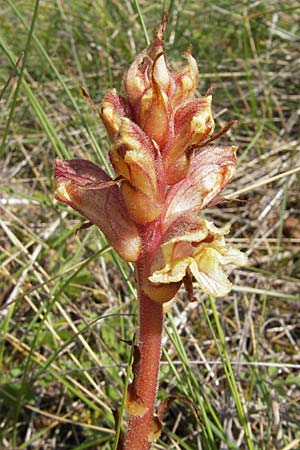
192	123
90	191
211	169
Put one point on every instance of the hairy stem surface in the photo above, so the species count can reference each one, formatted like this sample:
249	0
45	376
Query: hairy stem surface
146	368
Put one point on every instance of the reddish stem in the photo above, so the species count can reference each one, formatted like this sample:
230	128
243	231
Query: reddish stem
146	376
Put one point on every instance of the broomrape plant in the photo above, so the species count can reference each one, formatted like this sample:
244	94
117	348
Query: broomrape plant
166	174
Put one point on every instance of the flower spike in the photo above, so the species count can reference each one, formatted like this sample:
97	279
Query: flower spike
166	174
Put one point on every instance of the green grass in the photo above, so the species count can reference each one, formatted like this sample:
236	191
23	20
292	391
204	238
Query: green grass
68	303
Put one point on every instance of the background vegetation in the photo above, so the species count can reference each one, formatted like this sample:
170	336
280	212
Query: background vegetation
67	301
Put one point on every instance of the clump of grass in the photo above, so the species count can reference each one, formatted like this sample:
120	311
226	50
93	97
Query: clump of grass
65	308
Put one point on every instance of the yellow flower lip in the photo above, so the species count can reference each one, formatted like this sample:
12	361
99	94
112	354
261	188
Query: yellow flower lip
203	253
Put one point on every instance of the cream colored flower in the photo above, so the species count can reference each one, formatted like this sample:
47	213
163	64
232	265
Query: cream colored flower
202	253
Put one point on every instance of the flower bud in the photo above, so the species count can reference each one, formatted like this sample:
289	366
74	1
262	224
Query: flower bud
186	82
154	114
193	122
114	108
211	169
